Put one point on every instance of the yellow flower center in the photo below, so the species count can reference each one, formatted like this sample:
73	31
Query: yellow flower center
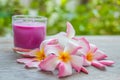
89	56
64	56
40	55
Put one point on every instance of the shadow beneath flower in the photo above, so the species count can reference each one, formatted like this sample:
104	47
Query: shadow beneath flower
47	73
101	69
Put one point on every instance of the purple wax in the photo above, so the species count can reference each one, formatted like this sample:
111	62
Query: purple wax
29	36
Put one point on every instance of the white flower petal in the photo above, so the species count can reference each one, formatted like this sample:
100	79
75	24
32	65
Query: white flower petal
48	42
107	62
99	55
83	69
33	64
84	44
63	40
49	63
65	69
32	53
77	62
52	49
93	48
71	46
25	60
86	63
98	65
70	30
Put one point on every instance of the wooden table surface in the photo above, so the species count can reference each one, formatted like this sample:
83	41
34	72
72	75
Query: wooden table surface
11	70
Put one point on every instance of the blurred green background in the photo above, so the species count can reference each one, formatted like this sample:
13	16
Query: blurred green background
89	17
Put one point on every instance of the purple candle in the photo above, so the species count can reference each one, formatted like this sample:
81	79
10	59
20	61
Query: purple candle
28	31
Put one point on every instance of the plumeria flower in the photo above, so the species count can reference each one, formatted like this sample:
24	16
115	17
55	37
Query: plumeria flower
34	57
70	32
93	55
64	60
63	37
34	60
84	44
96	58
69	35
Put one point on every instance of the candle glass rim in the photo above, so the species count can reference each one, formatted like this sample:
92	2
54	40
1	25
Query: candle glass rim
29	17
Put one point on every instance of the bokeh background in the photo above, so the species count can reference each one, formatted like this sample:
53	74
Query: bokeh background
89	17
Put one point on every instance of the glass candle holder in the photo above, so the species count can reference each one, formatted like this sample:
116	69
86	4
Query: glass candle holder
28	31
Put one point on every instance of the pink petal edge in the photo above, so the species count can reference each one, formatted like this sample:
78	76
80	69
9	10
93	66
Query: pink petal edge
65	69
85	61
70	30
107	62
98	65
75	50
82	41
49	63
53	41
32	53
77	62
99	55
33	64
93	48
25	60
83	69
52	49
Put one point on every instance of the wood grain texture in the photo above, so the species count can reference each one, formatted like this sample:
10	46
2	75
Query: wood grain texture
11	70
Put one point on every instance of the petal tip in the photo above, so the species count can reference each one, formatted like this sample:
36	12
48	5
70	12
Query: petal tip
83	69
98	65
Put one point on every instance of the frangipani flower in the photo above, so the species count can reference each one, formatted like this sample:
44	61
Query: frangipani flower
69	35
63	37
96	58
34	57
82	41
64	60
70	32
93	55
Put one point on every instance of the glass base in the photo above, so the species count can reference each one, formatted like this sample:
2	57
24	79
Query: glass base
21	50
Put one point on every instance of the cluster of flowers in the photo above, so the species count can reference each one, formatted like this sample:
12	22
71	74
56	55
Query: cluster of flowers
64	52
